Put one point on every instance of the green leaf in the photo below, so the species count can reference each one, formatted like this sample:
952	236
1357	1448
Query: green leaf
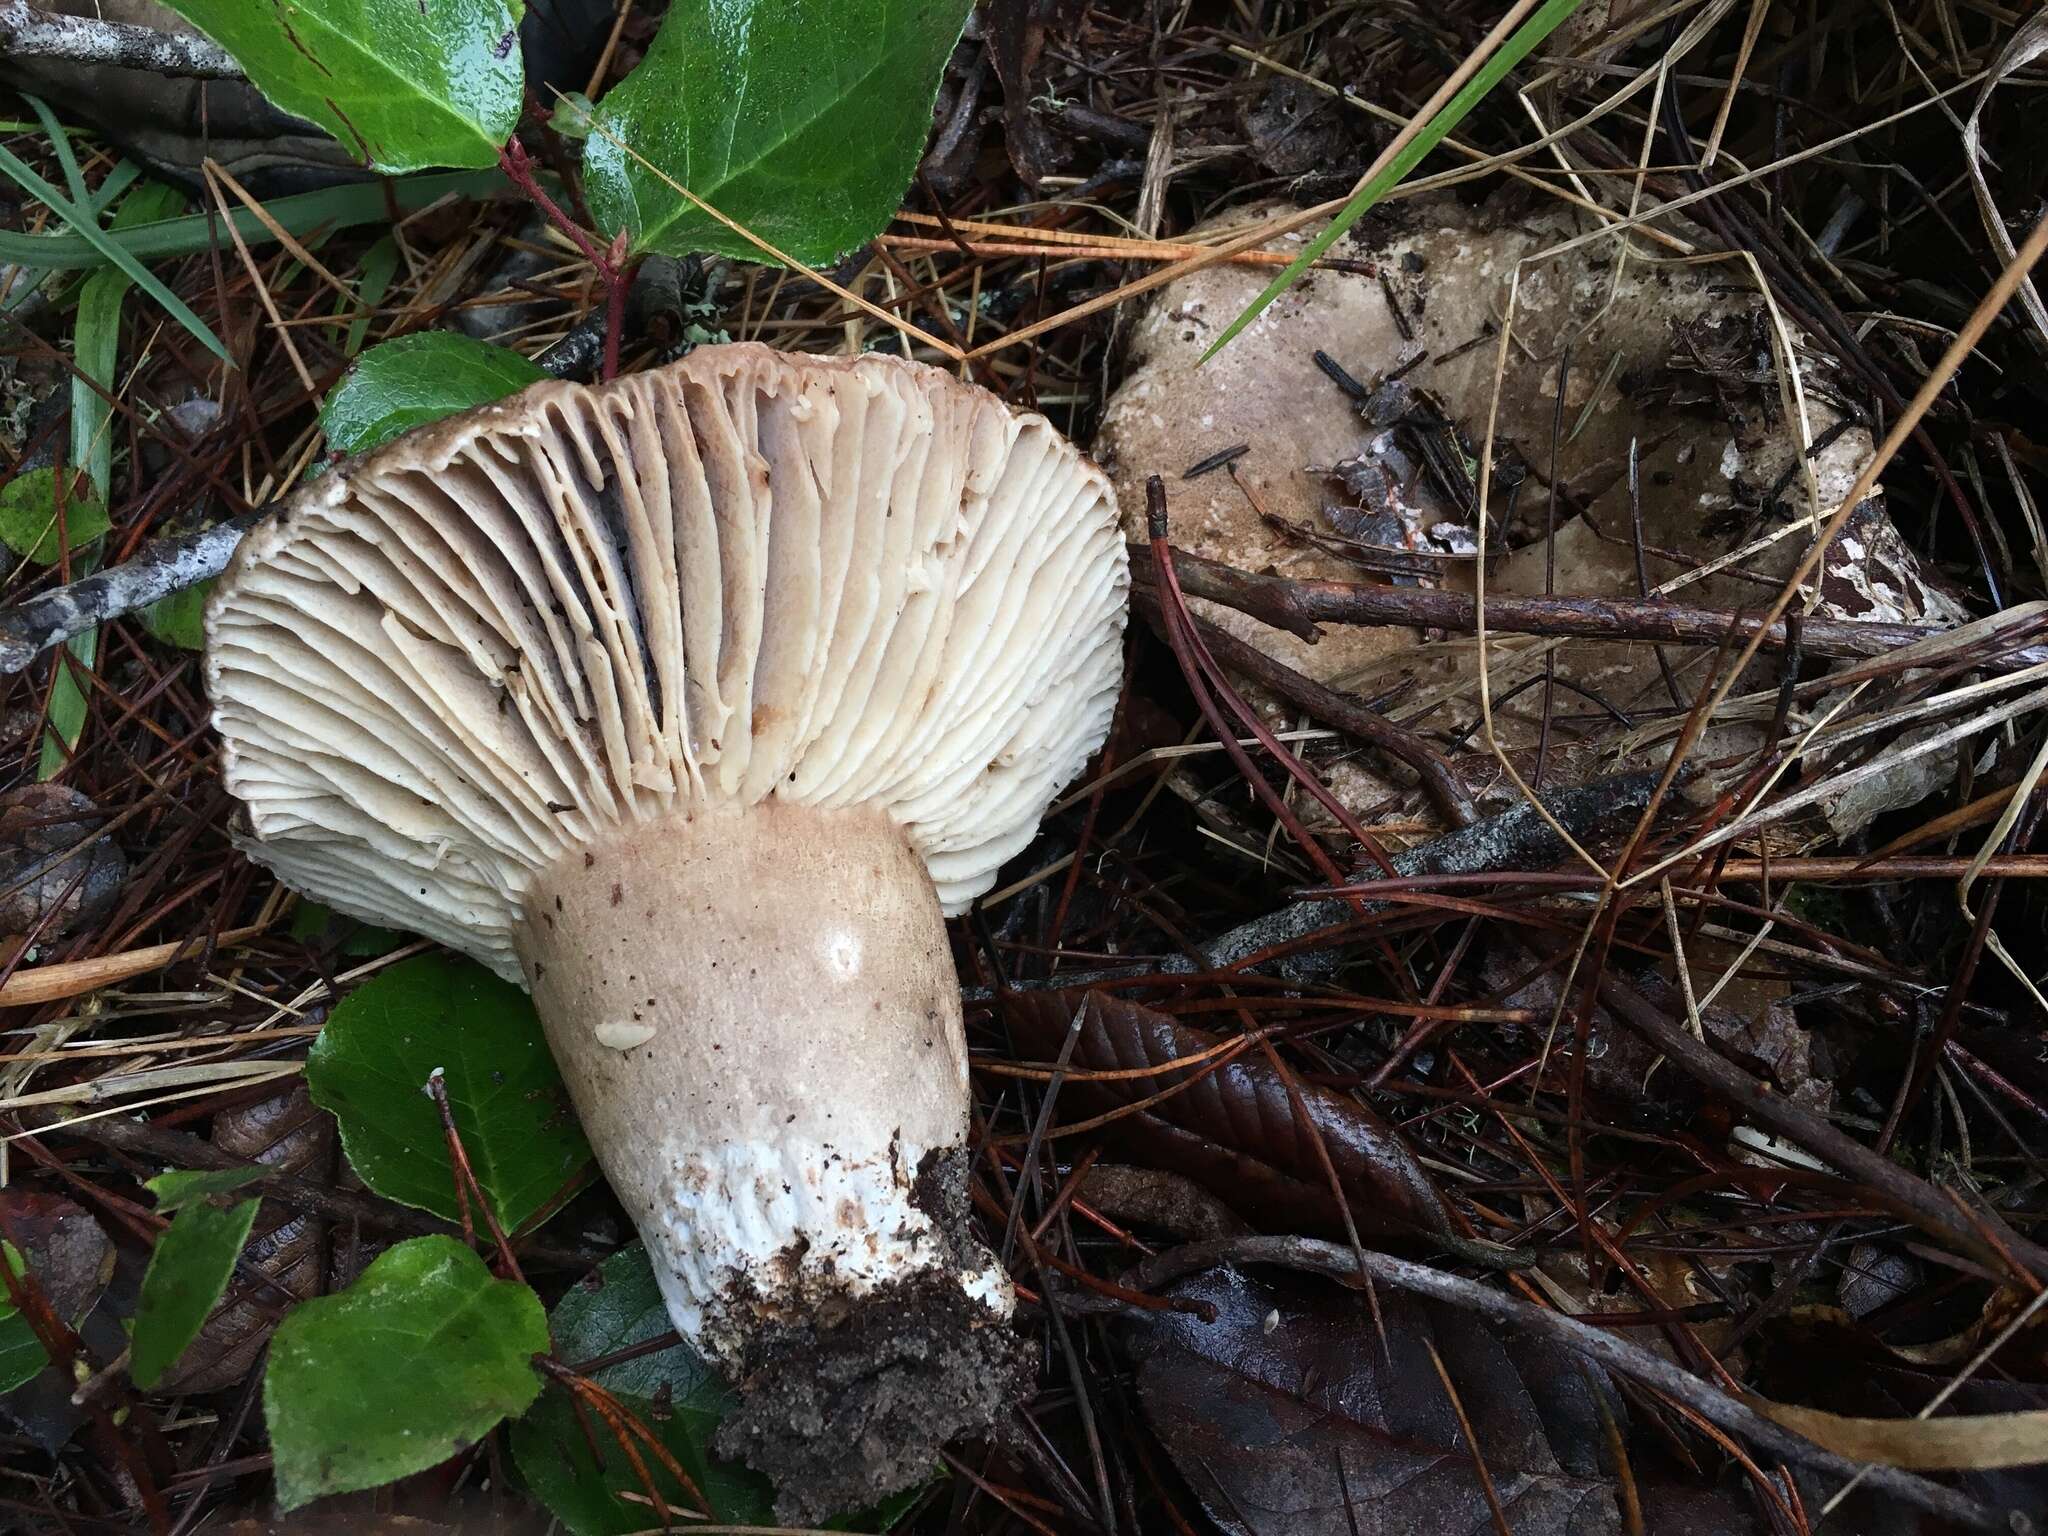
187	1274
1490	74
799	119
402	384
28	515
403	84
370	1067
365	942
21	1353
177	1186
413	1363
180	619
573	115
617	1306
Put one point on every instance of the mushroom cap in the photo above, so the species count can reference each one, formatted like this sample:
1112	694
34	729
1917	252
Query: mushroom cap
835	581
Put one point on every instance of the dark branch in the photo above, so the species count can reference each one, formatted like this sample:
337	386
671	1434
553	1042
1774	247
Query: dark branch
1298	606
160	568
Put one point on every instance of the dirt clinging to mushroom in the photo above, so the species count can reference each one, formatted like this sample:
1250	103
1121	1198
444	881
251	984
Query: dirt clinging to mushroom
853	1403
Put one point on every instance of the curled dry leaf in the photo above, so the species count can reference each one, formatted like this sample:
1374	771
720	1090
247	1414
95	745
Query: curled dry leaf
1978	1442
1235	1130
1897	1393
288	1250
54	874
1292	1413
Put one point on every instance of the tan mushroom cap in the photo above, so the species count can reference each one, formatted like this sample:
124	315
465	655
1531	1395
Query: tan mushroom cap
835	582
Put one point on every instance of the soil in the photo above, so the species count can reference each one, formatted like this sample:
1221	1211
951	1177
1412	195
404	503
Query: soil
845	1409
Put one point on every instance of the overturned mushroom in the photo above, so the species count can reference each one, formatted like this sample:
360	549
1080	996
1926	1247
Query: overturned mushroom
1739	428
695	701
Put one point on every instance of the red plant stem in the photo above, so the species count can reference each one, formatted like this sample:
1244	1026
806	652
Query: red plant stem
1206	681
620	279
466	1182
518	168
66	1350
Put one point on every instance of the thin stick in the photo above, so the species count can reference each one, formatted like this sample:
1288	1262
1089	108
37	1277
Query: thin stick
1299	606
51	983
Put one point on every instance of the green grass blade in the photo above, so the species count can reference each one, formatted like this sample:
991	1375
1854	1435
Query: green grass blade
378	266
65	717
83	224
344	207
60	141
119	179
95	347
1491	73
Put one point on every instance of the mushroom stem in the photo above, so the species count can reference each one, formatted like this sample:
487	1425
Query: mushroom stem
757	1017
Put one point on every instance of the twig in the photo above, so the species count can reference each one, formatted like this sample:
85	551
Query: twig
1439	779
1915	1198
1617	1355
1516	841
1298	606
160	568
26	33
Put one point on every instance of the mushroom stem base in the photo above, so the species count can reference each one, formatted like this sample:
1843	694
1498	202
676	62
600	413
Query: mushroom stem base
756	1015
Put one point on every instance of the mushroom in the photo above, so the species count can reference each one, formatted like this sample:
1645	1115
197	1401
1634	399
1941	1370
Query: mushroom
1679	361
696	701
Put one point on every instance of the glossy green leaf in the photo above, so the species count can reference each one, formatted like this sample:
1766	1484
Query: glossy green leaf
1474	91
402	384
617	1306
21	1353
180	619
413	1363
180	1186
800	119
187	1275
404	84
370	1066
28	515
